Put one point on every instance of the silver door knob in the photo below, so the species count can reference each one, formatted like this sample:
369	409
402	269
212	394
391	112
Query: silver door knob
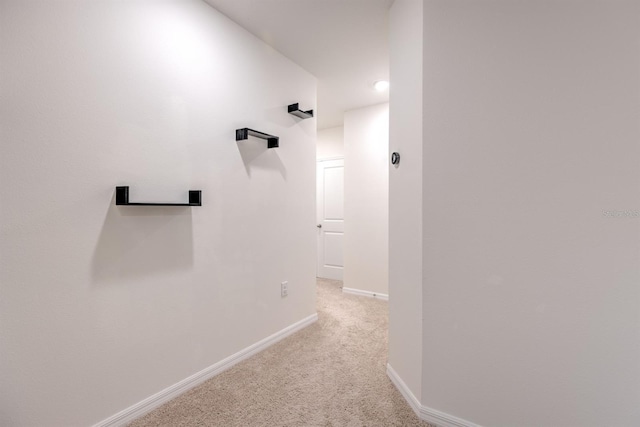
319	225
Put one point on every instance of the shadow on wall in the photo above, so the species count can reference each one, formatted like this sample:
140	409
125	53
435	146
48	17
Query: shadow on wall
138	241
256	155
279	116
286	120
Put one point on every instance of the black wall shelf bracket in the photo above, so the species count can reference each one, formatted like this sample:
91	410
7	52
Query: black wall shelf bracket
272	141
293	109
122	199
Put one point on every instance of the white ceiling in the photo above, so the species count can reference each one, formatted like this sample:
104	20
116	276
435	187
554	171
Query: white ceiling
341	42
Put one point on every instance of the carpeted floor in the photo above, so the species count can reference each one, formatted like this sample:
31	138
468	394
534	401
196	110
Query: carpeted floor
332	373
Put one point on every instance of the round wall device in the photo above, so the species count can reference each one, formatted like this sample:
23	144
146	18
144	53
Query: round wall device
395	158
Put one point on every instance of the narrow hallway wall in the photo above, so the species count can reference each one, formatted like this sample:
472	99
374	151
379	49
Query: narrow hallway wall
330	143
101	305
366	199
531	197
405	193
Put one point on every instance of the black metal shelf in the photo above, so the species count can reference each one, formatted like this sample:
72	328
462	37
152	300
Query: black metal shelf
293	109
122	199
272	141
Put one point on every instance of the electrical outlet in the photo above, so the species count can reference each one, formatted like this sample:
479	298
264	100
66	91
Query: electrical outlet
284	289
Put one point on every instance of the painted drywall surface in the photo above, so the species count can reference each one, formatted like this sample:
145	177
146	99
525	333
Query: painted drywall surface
405	193
103	306
330	143
366	199
531	136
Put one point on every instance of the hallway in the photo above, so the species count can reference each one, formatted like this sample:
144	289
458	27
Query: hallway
332	373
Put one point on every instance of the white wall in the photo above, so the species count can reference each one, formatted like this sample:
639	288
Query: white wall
330	143
366	199
405	193
103	306
531	301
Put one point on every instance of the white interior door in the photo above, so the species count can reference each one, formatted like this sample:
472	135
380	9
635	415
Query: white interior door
330	208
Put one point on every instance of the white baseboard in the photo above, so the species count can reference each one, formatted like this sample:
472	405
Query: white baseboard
152	402
411	399
365	293
432	416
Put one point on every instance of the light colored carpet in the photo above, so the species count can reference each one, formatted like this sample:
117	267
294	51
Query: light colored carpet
332	373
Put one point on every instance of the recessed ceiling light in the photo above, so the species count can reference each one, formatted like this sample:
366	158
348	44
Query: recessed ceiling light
381	85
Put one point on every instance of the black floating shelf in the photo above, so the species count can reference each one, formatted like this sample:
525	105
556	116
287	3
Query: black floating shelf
122	198
272	141
293	109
